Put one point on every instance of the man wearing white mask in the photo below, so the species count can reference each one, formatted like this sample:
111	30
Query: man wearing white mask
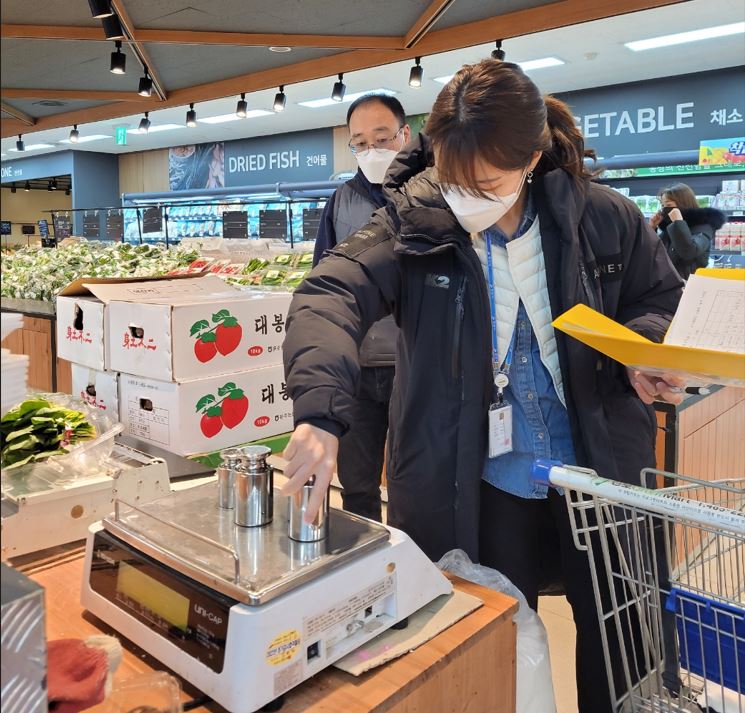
378	131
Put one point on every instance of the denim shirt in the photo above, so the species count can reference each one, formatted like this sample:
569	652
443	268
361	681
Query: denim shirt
540	424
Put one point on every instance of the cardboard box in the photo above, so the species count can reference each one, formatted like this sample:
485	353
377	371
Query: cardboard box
191	328
81	329
206	415
82	322
96	388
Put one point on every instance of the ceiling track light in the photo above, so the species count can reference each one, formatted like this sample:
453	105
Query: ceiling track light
340	89
191	117
112	28
118	60
100	8
280	100
20	146
145	88
416	74
27	186
74	134
241	108
12	187
144	126
499	53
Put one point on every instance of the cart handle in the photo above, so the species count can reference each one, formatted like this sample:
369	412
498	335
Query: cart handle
661	501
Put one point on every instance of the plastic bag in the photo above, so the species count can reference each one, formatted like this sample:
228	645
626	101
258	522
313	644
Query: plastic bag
535	689
83	460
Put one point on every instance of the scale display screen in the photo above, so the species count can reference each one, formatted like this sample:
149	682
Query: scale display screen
191	616
154	596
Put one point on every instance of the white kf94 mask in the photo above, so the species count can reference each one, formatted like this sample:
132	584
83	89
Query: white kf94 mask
476	214
375	162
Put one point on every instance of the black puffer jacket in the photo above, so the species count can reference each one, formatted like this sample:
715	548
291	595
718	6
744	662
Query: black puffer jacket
417	262
688	241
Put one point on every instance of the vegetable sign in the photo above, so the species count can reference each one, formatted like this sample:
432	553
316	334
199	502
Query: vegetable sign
223	336
228	412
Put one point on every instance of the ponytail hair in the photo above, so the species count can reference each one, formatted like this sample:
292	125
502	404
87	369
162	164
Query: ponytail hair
567	145
493	112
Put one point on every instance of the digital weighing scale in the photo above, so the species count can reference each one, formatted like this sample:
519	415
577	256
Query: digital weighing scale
246	614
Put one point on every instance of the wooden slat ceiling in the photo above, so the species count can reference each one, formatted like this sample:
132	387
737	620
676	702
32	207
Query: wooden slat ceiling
55	56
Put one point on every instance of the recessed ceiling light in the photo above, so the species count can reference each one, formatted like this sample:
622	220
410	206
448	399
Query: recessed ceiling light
318	103
85	139
154	128
680	38
527	66
224	118
280	49
34	147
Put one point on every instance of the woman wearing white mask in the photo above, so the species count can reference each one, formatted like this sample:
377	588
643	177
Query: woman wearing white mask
474	257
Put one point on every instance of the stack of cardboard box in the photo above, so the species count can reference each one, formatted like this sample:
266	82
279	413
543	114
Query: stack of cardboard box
191	365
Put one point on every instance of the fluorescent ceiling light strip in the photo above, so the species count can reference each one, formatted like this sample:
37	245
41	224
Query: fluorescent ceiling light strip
328	101
527	66
707	33
224	118
86	139
33	147
157	127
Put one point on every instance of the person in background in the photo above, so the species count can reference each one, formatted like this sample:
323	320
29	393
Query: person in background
686	230
378	131
475	256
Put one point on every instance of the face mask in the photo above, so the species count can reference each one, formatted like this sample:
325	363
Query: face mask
375	163
476	214
665	218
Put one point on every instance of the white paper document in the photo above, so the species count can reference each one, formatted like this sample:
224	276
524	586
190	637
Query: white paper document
711	315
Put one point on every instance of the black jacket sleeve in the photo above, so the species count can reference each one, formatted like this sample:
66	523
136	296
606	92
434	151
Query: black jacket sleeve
691	245
651	287
352	288
326	237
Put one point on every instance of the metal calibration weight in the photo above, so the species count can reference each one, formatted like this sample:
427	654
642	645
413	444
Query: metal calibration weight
298	529
254	487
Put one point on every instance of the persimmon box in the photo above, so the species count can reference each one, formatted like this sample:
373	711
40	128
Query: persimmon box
192	328
205	415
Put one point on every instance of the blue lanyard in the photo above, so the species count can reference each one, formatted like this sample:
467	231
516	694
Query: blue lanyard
496	364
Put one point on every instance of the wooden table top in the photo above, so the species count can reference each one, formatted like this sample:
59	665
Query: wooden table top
331	690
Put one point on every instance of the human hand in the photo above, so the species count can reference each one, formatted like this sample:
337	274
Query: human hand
655	220
675	214
652	388
311	451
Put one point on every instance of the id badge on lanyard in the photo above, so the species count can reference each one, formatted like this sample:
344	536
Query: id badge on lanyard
500	412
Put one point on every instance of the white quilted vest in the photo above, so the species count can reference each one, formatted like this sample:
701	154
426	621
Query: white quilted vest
520	274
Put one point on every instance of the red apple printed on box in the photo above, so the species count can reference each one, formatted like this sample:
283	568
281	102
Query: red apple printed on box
229	411
223	336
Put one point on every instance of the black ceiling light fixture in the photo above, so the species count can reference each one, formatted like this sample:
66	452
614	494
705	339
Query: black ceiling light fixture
49	186
12	187
27	186
191	117
145	88
241	108
144	126
416	74
100	8
280	100
112	28
74	134
118	60
340	89
53	183
499	53
20	146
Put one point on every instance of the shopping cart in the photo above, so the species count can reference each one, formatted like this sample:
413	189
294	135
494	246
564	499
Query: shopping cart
667	562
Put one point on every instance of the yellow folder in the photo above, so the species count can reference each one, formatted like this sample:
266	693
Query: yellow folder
697	366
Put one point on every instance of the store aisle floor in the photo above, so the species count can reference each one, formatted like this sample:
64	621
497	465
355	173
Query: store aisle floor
556	615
